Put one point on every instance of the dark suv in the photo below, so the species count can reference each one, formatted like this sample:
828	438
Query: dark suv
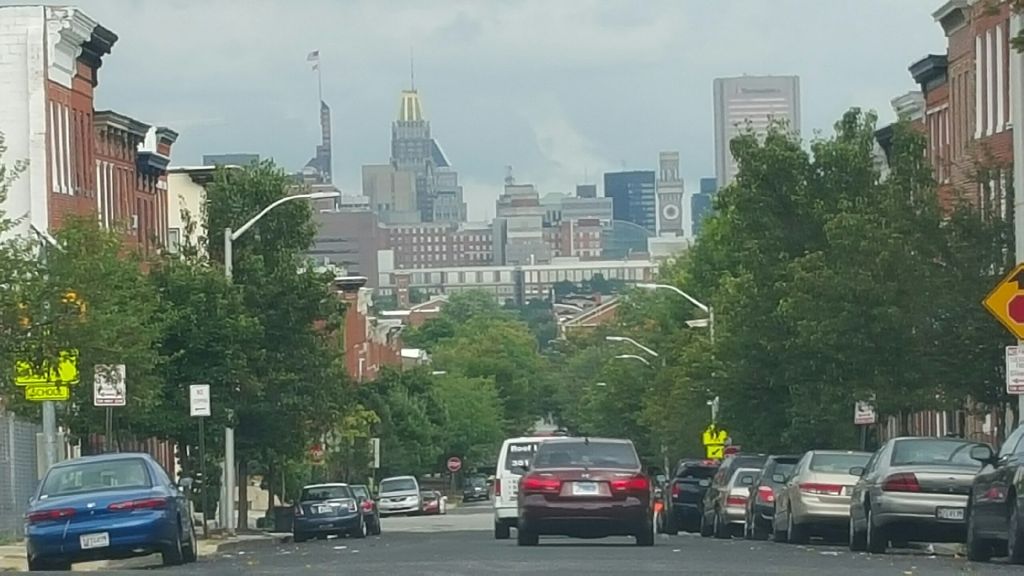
685	495
761	503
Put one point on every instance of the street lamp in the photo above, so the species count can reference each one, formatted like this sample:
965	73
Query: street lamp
709	321
633	342
632	357
230	236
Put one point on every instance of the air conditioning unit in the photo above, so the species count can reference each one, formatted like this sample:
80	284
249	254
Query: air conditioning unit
135	221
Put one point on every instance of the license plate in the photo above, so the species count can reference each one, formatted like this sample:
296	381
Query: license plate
584	489
90	541
949	513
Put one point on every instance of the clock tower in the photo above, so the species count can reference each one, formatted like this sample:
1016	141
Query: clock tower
671	220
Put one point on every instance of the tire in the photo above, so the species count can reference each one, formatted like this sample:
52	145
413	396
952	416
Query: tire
877	539
299	537
978	549
779	536
173	555
758	530
525	537
670	525
796	533
705	529
721	528
646	535
190	551
360	531
375	527
858	538
1015	538
501	530
42	565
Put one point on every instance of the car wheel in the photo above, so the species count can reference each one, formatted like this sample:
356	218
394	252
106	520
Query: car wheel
360	531
778	534
375	527
978	548
1015	539
669	523
645	537
501	530
858	538
525	537
721	528
172	555
758	530
299	537
190	553
877	541
706	529
795	533
42	565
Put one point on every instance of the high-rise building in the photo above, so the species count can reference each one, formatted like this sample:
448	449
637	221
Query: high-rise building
392	193
633	197
586	190
319	168
671	217
702	203
751	103
519	226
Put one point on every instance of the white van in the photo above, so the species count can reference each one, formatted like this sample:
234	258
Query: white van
515	453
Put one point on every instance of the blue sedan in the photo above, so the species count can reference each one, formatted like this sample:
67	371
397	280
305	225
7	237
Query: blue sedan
107	507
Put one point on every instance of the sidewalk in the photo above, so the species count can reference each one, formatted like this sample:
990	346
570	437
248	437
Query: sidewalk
12	557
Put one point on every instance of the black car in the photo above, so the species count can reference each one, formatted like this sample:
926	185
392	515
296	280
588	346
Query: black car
326	509
684	495
761	503
995	510
369	507
475	488
716	491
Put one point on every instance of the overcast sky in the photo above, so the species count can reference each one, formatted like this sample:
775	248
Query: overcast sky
559	89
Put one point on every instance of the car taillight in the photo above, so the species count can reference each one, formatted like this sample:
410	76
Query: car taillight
736	501
144	504
818	488
634	484
902	482
497	486
541	485
765	494
676	491
49	515
368	505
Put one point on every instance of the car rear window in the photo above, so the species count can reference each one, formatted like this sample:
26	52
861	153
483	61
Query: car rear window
837	463
398	485
320	493
696	473
745	477
784	468
520	454
933	452
582	454
95	477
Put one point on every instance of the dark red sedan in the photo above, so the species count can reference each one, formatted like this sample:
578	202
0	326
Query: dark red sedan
585	488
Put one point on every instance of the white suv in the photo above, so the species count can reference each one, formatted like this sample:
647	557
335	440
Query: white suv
516	453
398	495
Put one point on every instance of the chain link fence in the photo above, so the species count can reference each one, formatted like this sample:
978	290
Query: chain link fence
19	472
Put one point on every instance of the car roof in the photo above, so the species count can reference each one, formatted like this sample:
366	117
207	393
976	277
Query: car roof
399	478
325	485
530	439
838	452
105	458
578	439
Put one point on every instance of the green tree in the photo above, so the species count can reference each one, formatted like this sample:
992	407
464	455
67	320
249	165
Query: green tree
474	417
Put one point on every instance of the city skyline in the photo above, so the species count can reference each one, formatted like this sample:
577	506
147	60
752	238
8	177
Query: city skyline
484	66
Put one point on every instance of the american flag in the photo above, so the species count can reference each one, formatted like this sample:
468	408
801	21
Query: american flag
314	56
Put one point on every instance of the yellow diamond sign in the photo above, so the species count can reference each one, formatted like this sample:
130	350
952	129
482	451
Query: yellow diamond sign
65	372
1006	301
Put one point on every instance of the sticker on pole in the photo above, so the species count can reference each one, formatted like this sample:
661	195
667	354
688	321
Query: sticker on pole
864	414
1014	370
199	400
109	385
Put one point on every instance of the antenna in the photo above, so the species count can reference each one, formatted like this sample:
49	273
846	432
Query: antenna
509	178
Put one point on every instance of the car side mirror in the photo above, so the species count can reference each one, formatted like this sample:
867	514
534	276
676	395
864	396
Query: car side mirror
185	483
983	453
857	471
779	478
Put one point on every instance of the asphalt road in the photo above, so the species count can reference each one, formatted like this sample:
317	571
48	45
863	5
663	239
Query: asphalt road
462	544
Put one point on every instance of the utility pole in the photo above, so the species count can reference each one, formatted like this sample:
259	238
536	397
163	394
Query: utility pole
1017	108
49	407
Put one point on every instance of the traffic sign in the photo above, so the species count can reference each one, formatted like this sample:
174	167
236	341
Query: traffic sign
864	414
199	400
109	385
316	453
454	464
1015	370
26	373
714	439
1006	301
47	392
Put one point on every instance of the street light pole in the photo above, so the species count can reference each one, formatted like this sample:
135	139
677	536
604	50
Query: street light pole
49	406
228	503
703	307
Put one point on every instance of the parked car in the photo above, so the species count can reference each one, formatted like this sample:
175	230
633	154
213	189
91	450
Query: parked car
912	489
108	507
475	488
585	488
369	507
515	456
716	493
398	495
433	502
325	509
727	505
684	504
761	500
816	498
995	511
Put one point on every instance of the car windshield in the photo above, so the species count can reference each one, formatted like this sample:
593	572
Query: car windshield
476	482
933	452
319	493
838	463
398	485
582	454
96	476
360	491
520	455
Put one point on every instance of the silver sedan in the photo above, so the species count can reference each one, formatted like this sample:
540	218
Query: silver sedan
912	490
816	498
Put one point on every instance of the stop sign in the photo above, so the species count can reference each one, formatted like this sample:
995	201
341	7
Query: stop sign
454	464
1015	309
316	453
